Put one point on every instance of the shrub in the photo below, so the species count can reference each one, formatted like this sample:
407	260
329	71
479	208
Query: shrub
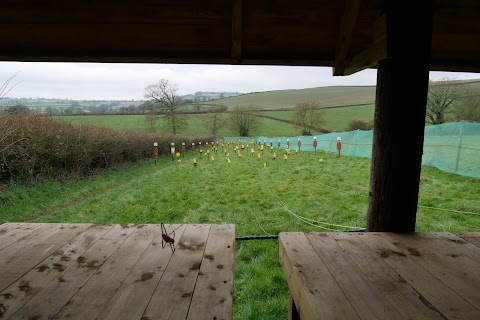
360	124
37	147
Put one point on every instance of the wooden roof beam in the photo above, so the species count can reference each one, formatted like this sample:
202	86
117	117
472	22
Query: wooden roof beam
369	58
237	30
347	26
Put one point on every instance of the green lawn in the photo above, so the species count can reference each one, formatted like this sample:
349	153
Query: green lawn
258	200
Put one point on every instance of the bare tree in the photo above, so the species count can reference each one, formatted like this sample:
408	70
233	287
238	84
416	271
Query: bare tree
307	116
468	107
441	99
164	94
244	120
215	120
151	120
7	86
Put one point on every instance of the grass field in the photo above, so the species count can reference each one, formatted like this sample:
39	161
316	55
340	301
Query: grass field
336	119
327	96
258	200
131	122
270	128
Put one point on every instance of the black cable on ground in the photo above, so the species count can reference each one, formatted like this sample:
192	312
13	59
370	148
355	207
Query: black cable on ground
276	236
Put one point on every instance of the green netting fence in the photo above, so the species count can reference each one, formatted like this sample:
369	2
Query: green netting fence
451	147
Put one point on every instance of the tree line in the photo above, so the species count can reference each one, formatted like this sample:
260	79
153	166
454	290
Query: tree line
165	106
447	100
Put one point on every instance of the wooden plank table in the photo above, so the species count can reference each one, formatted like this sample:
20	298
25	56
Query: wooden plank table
93	271
381	275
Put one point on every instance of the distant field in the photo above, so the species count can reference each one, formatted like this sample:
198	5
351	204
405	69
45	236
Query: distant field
336	119
132	122
328	96
269	128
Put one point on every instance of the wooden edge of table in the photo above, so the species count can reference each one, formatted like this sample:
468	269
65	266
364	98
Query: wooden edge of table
309	275
307	278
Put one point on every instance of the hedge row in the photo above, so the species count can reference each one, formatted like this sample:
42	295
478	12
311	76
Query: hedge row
36	147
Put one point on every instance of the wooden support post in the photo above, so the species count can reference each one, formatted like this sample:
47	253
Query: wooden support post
400	117
292	310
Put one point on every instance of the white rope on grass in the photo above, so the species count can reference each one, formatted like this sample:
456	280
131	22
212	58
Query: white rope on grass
318	222
306	221
260	226
317	226
450	210
420	206
342	191
139	216
312	222
446	227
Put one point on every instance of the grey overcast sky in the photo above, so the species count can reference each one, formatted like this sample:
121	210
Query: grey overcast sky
107	81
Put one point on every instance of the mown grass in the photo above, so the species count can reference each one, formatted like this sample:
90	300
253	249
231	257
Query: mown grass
258	200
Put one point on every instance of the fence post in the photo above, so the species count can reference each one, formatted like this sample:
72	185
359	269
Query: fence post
459	146
356	142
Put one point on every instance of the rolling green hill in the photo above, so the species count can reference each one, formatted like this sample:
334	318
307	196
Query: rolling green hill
352	102
327	96
281	99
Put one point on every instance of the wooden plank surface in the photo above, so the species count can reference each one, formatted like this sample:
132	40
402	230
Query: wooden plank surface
85	271
131	299
51	299
462	246
214	286
15	296
458	271
432	291
315	292
109	277
34	248
405	299
174	292
11	233
382	275
472	237
354	283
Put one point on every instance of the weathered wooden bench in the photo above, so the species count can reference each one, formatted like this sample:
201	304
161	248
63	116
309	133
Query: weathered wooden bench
115	271
382	275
